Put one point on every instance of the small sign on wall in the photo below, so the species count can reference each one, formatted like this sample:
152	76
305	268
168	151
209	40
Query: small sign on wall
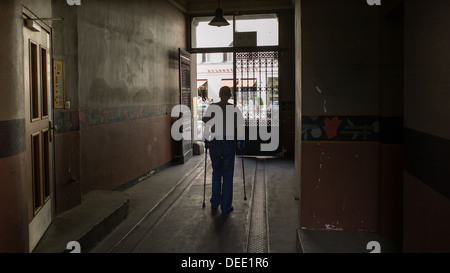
245	39
58	84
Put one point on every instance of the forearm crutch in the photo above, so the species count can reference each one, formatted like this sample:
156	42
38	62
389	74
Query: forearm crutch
204	181
243	169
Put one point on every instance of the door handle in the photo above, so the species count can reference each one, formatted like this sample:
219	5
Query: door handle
51	128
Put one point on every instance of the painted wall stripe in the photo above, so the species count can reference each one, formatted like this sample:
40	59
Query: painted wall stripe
12	137
68	121
353	128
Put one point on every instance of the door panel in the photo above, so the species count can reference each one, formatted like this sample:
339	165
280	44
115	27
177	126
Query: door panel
44	82
34	80
36	172
38	131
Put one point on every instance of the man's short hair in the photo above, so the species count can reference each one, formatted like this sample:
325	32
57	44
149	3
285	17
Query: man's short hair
225	91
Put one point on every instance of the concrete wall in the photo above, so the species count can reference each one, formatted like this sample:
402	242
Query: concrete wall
339	81
121	72
349	112
390	182
122	80
13	184
426	222
67	138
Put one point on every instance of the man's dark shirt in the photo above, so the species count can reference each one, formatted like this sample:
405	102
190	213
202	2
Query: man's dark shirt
210	115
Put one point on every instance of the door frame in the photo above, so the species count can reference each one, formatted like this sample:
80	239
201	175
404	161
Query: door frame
184	70
234	49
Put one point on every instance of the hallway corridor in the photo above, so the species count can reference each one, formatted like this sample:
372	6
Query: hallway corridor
178	224
104	106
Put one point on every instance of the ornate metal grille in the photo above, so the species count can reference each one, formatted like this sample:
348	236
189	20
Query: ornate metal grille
257	87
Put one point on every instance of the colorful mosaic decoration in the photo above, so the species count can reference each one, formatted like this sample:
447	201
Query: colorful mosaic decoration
340	128
67	121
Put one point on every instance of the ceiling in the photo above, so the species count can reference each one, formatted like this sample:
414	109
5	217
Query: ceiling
230	6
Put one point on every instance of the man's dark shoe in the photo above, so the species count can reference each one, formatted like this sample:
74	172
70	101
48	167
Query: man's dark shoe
214	210
225	213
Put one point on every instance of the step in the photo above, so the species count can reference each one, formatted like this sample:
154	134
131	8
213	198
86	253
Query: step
340	241
99	213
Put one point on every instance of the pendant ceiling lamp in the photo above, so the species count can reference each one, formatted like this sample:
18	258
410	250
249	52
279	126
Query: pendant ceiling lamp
219	20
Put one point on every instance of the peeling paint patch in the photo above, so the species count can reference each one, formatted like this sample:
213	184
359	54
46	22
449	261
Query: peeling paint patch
332	227
324	99
317	184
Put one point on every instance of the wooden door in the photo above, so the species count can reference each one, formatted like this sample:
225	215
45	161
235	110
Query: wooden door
38	130
185	99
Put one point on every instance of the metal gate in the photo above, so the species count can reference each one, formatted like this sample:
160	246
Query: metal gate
257	94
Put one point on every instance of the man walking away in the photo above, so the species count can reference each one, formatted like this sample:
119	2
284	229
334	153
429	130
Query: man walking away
222	147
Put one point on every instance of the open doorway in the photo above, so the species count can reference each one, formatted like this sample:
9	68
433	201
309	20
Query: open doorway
245	57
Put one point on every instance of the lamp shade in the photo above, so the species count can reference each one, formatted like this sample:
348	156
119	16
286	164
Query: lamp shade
219	20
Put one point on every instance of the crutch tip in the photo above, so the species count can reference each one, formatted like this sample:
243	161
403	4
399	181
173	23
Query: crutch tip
203	205
245	198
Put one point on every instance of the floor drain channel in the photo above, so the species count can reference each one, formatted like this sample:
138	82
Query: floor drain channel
258	230
135	236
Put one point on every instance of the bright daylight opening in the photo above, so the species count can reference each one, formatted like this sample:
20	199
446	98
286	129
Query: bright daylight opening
215	70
